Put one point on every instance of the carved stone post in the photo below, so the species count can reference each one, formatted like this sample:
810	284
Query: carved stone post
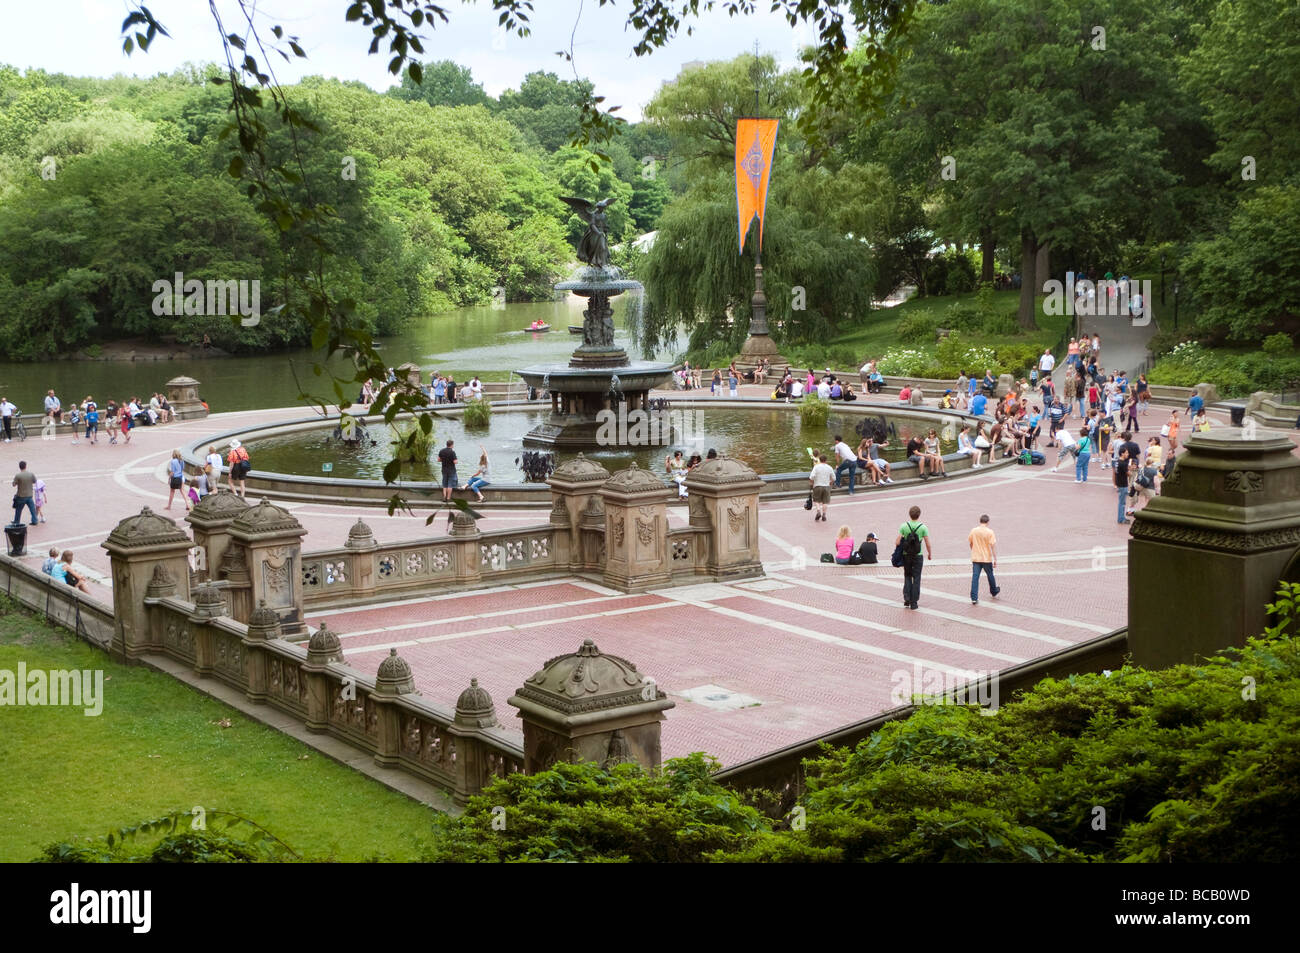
1206	554
590	707
636	530
183	395
574	484
393	680
323	648
361	542
724	500
140	547
269	540
210	522
474	712
464	530
208	605
263	625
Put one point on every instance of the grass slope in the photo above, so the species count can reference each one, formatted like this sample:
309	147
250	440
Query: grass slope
158	747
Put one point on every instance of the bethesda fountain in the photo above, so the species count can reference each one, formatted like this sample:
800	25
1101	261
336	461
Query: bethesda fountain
599	375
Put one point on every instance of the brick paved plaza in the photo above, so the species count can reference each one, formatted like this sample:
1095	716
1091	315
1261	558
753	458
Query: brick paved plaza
752	665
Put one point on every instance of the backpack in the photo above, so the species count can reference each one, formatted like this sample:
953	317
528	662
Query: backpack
912	541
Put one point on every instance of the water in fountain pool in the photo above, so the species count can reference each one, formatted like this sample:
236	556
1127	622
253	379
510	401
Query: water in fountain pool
770	440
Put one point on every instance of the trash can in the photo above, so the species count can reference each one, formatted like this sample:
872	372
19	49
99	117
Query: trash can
16	534
1238	415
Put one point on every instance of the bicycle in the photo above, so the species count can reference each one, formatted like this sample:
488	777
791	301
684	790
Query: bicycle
19	428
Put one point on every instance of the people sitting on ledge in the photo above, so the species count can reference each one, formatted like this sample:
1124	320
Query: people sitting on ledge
905	395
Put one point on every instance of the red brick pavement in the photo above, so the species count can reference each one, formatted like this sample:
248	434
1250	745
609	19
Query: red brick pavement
815	645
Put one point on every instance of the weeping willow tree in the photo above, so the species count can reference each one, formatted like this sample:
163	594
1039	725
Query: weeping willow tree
818	279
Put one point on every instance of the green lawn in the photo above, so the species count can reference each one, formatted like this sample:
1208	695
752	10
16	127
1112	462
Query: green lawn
880	331
157	747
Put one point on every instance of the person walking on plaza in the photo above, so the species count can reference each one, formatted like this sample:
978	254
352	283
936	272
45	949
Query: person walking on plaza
910	536
1170	430
1121	480
848	460
40	498
92	419
447	457
983	558
820	479
24	482
176	478
213	460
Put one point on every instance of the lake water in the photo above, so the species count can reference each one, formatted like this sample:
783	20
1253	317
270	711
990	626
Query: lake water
485	341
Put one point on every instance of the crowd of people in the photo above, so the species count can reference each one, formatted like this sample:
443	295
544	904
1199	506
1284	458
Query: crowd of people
441	389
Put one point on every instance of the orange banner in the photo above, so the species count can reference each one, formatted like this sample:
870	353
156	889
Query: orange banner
755	146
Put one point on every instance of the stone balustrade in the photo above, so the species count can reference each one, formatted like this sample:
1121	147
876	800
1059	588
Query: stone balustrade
458	750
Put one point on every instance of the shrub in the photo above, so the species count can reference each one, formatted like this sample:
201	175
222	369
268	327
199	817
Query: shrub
1164	341
1278	345
1001	325
917	329
478	413
813	411
961	317
905	362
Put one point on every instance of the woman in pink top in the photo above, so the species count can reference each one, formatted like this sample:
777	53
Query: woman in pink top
1072	352
810	385
843	546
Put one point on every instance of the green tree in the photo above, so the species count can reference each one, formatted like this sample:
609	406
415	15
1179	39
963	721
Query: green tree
445	83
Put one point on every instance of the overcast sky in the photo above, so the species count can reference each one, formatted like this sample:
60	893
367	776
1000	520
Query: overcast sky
88	43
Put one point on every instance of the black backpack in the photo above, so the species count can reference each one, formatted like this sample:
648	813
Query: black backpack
912	542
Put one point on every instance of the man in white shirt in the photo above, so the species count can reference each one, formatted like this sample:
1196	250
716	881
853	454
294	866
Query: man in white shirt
1046	363
476	386
824	389
467	393
1065	442
53	409
864	372
820	480
847	460
796	388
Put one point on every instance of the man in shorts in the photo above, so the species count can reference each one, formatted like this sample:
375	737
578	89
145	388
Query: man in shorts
820	480
447	457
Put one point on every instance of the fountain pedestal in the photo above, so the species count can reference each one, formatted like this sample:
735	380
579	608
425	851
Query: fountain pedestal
599	376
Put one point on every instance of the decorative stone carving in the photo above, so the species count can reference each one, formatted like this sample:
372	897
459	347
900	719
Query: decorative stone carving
394	676
263	623
161	583
361	538
618	752
645	532
572	707
474	708
146	530
1243	481
616	531
266	519
737	517
208	602
324	646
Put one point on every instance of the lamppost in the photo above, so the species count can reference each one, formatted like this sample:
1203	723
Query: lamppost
1176	286
1162	278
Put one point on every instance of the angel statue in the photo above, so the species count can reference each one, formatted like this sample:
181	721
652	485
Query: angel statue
593	248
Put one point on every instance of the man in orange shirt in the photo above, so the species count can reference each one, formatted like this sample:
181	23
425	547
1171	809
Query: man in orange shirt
983	557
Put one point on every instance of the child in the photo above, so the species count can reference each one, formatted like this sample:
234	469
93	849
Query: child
51	560
74	418
39	496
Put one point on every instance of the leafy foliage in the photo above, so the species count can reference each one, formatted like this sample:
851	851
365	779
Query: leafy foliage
184	839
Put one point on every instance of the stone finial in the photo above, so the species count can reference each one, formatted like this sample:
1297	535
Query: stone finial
395	676
217	508
143	531
361	537
208	601
263	622
578	470
325	646
589	680
265	519
463	524
474	708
